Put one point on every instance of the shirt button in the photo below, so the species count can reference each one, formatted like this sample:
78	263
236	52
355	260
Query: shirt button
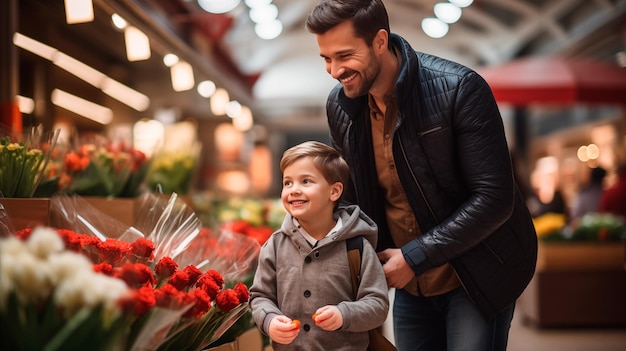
307	293
306	327
386	136
317	254
307	259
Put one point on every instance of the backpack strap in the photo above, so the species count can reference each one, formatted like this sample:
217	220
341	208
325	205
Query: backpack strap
354	246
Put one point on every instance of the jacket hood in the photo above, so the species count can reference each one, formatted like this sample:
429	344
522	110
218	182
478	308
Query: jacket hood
354	223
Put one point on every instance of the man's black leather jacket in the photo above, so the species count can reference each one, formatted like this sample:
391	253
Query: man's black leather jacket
452	158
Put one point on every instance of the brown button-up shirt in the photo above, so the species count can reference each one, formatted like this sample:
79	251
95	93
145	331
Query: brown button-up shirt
402	223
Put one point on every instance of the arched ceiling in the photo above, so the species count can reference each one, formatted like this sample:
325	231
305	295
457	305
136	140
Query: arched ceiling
283	80
292	80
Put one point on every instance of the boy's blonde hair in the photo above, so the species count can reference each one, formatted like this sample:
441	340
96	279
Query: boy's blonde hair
326	159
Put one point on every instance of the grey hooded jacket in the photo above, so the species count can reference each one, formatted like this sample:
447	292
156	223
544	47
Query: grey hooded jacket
294	280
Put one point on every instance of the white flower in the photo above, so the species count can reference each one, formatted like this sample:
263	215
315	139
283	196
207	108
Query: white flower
30	276
88	289
11	246
44	241
106	290
67	264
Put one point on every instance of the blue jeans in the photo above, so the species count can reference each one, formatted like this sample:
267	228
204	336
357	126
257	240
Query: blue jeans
447	322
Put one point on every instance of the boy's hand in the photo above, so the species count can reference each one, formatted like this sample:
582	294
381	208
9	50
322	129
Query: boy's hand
328	318
283	330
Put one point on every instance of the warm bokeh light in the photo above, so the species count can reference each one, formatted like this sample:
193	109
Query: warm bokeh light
218	101
235	182
148	135
137	44
260	168
228	142
244	121
97	113
182	76
206	88
78	11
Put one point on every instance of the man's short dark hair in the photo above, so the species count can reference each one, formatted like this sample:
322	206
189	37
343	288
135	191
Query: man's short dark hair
367	16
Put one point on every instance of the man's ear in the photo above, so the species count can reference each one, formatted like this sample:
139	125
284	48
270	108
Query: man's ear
380	41
336	191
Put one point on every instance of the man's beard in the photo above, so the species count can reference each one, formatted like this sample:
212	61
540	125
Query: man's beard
368	77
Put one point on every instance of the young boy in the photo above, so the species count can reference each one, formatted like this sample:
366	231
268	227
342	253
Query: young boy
302	296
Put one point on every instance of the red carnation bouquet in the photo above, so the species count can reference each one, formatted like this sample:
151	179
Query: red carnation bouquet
154	291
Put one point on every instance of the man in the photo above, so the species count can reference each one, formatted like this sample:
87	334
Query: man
430	164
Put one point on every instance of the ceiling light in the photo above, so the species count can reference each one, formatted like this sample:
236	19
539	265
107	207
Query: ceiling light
206	88
462	3
434	27
244	121
34	46
118	21
218	101
79	69
447	12
115	89
218	6
268	30
78	11
26	105
137	44
256	3
182	76
170	60
233	109
80	106
262	14
124	94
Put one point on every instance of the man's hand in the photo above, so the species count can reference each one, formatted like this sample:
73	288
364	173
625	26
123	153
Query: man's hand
397	271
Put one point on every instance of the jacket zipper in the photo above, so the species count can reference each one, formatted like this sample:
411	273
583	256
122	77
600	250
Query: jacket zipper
417	183
469	295
431	130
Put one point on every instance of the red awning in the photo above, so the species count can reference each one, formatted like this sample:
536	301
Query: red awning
556	80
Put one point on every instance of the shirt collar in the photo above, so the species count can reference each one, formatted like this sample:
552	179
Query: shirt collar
311	240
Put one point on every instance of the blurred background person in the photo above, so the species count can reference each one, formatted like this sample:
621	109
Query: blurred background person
614	197
588	198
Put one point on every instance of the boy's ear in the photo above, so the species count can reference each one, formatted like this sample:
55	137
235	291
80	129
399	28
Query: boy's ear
336	191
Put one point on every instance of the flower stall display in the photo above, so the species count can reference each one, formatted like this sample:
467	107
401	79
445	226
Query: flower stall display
172	171
98	167
145	291
54	177
595	242
176	159
23	158
252	217
592	227
574	262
